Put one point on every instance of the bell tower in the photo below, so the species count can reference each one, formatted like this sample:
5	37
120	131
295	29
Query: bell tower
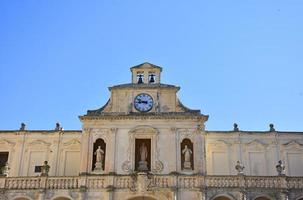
146	73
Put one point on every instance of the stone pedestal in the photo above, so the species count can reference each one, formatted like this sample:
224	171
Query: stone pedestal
142	166
187	165
98	168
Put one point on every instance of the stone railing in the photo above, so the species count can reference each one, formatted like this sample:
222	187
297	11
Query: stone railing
150	182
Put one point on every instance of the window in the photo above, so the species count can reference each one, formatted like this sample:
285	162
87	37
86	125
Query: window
3	160
38	169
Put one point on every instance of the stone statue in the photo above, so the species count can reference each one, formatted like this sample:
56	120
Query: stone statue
23	127
58	127
143	152
236	128
45	169
6	169
143	156
187	157
240	168
99	154
280	168
99	160
272	128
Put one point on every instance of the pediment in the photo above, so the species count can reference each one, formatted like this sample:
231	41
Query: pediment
257	142
293	144
72	142
6	142
144	129
146	65
39	142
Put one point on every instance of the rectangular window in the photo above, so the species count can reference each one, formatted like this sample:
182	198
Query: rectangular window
38	169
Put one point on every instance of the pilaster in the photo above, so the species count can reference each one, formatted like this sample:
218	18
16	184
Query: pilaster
85	150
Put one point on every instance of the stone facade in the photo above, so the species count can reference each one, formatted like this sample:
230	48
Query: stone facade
181	160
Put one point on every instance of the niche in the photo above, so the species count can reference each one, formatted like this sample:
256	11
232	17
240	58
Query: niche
187	155
99	142
143	155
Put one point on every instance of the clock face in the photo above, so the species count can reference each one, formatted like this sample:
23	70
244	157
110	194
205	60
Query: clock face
143	102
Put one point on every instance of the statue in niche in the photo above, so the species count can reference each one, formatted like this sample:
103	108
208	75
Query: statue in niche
187	158
99	160
143	156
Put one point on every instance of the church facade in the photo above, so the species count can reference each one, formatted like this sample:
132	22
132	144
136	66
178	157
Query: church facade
144	144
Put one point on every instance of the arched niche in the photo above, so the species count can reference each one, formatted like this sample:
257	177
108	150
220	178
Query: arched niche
262	198
221	198
62	198
21	198
187	148
142	198
99	142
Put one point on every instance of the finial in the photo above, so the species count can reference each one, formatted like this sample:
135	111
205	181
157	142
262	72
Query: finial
280	168
22	128
236	127
271	128
58	127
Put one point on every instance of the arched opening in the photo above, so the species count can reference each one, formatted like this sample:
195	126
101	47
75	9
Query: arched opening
262	198
99	148
221	198
142	198
187	155
21	198
62	198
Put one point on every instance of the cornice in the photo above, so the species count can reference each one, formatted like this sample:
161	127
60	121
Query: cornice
145	86
145	116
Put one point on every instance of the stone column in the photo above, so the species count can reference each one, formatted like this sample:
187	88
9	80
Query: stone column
175	193
283	195
82	193
110	192
41	194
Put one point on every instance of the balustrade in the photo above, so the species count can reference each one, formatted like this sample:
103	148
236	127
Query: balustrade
62	183
157	181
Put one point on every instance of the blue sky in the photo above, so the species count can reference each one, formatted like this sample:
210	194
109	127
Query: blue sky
237	61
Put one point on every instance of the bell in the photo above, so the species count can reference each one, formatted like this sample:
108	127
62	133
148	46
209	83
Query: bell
140	80
152	79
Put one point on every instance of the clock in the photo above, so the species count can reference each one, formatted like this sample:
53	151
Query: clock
143	102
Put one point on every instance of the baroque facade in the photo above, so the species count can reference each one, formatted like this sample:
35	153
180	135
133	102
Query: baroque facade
144	144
